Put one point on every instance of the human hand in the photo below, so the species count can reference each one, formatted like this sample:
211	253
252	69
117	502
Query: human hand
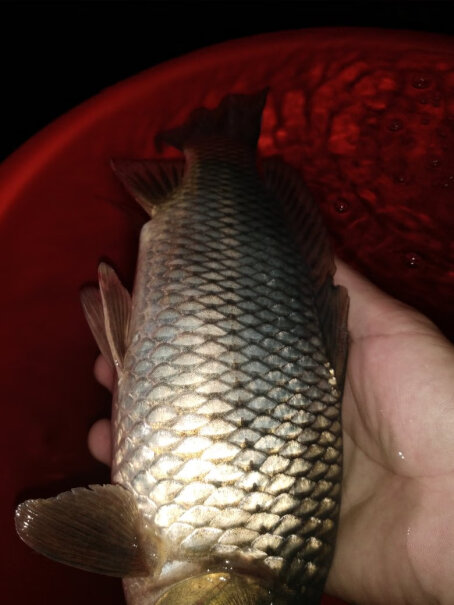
396	533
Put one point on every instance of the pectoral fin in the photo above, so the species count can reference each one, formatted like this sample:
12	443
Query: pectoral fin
116	303
225	588
108	311
90	298
98	529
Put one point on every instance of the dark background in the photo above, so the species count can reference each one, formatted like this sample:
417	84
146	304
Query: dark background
55	55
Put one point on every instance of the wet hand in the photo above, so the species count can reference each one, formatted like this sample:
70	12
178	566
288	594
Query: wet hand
396	534
396	531
99	437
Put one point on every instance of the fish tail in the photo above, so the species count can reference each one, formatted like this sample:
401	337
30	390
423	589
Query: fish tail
236	118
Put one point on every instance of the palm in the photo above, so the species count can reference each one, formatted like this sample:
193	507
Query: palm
396	532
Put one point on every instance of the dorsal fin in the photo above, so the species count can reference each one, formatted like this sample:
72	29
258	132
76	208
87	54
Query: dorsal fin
237	117
304	217
150	182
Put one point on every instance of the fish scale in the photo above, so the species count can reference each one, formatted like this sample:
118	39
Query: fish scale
229	363
198	259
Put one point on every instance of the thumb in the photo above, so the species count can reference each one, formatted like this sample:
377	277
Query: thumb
374	313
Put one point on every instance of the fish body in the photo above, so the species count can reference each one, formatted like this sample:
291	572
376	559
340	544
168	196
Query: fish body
230	361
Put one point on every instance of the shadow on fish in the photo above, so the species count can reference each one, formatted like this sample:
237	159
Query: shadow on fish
230	361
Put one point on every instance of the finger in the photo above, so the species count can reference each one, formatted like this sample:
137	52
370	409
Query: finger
104	373
371	311
100	441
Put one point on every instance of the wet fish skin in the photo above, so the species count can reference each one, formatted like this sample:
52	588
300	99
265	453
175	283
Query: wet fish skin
230	361
227	425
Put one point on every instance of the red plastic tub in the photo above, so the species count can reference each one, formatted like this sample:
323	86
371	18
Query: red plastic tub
367	116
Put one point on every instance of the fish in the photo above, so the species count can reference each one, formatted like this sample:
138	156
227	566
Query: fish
230	361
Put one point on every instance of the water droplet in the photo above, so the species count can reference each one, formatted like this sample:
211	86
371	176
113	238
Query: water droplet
421	82
395	125
412	260
435	162
341	206
401	179
401	455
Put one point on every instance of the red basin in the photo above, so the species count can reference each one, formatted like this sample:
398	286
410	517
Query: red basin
367	116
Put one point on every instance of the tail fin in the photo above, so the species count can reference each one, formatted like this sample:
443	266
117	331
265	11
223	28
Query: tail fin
237	117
